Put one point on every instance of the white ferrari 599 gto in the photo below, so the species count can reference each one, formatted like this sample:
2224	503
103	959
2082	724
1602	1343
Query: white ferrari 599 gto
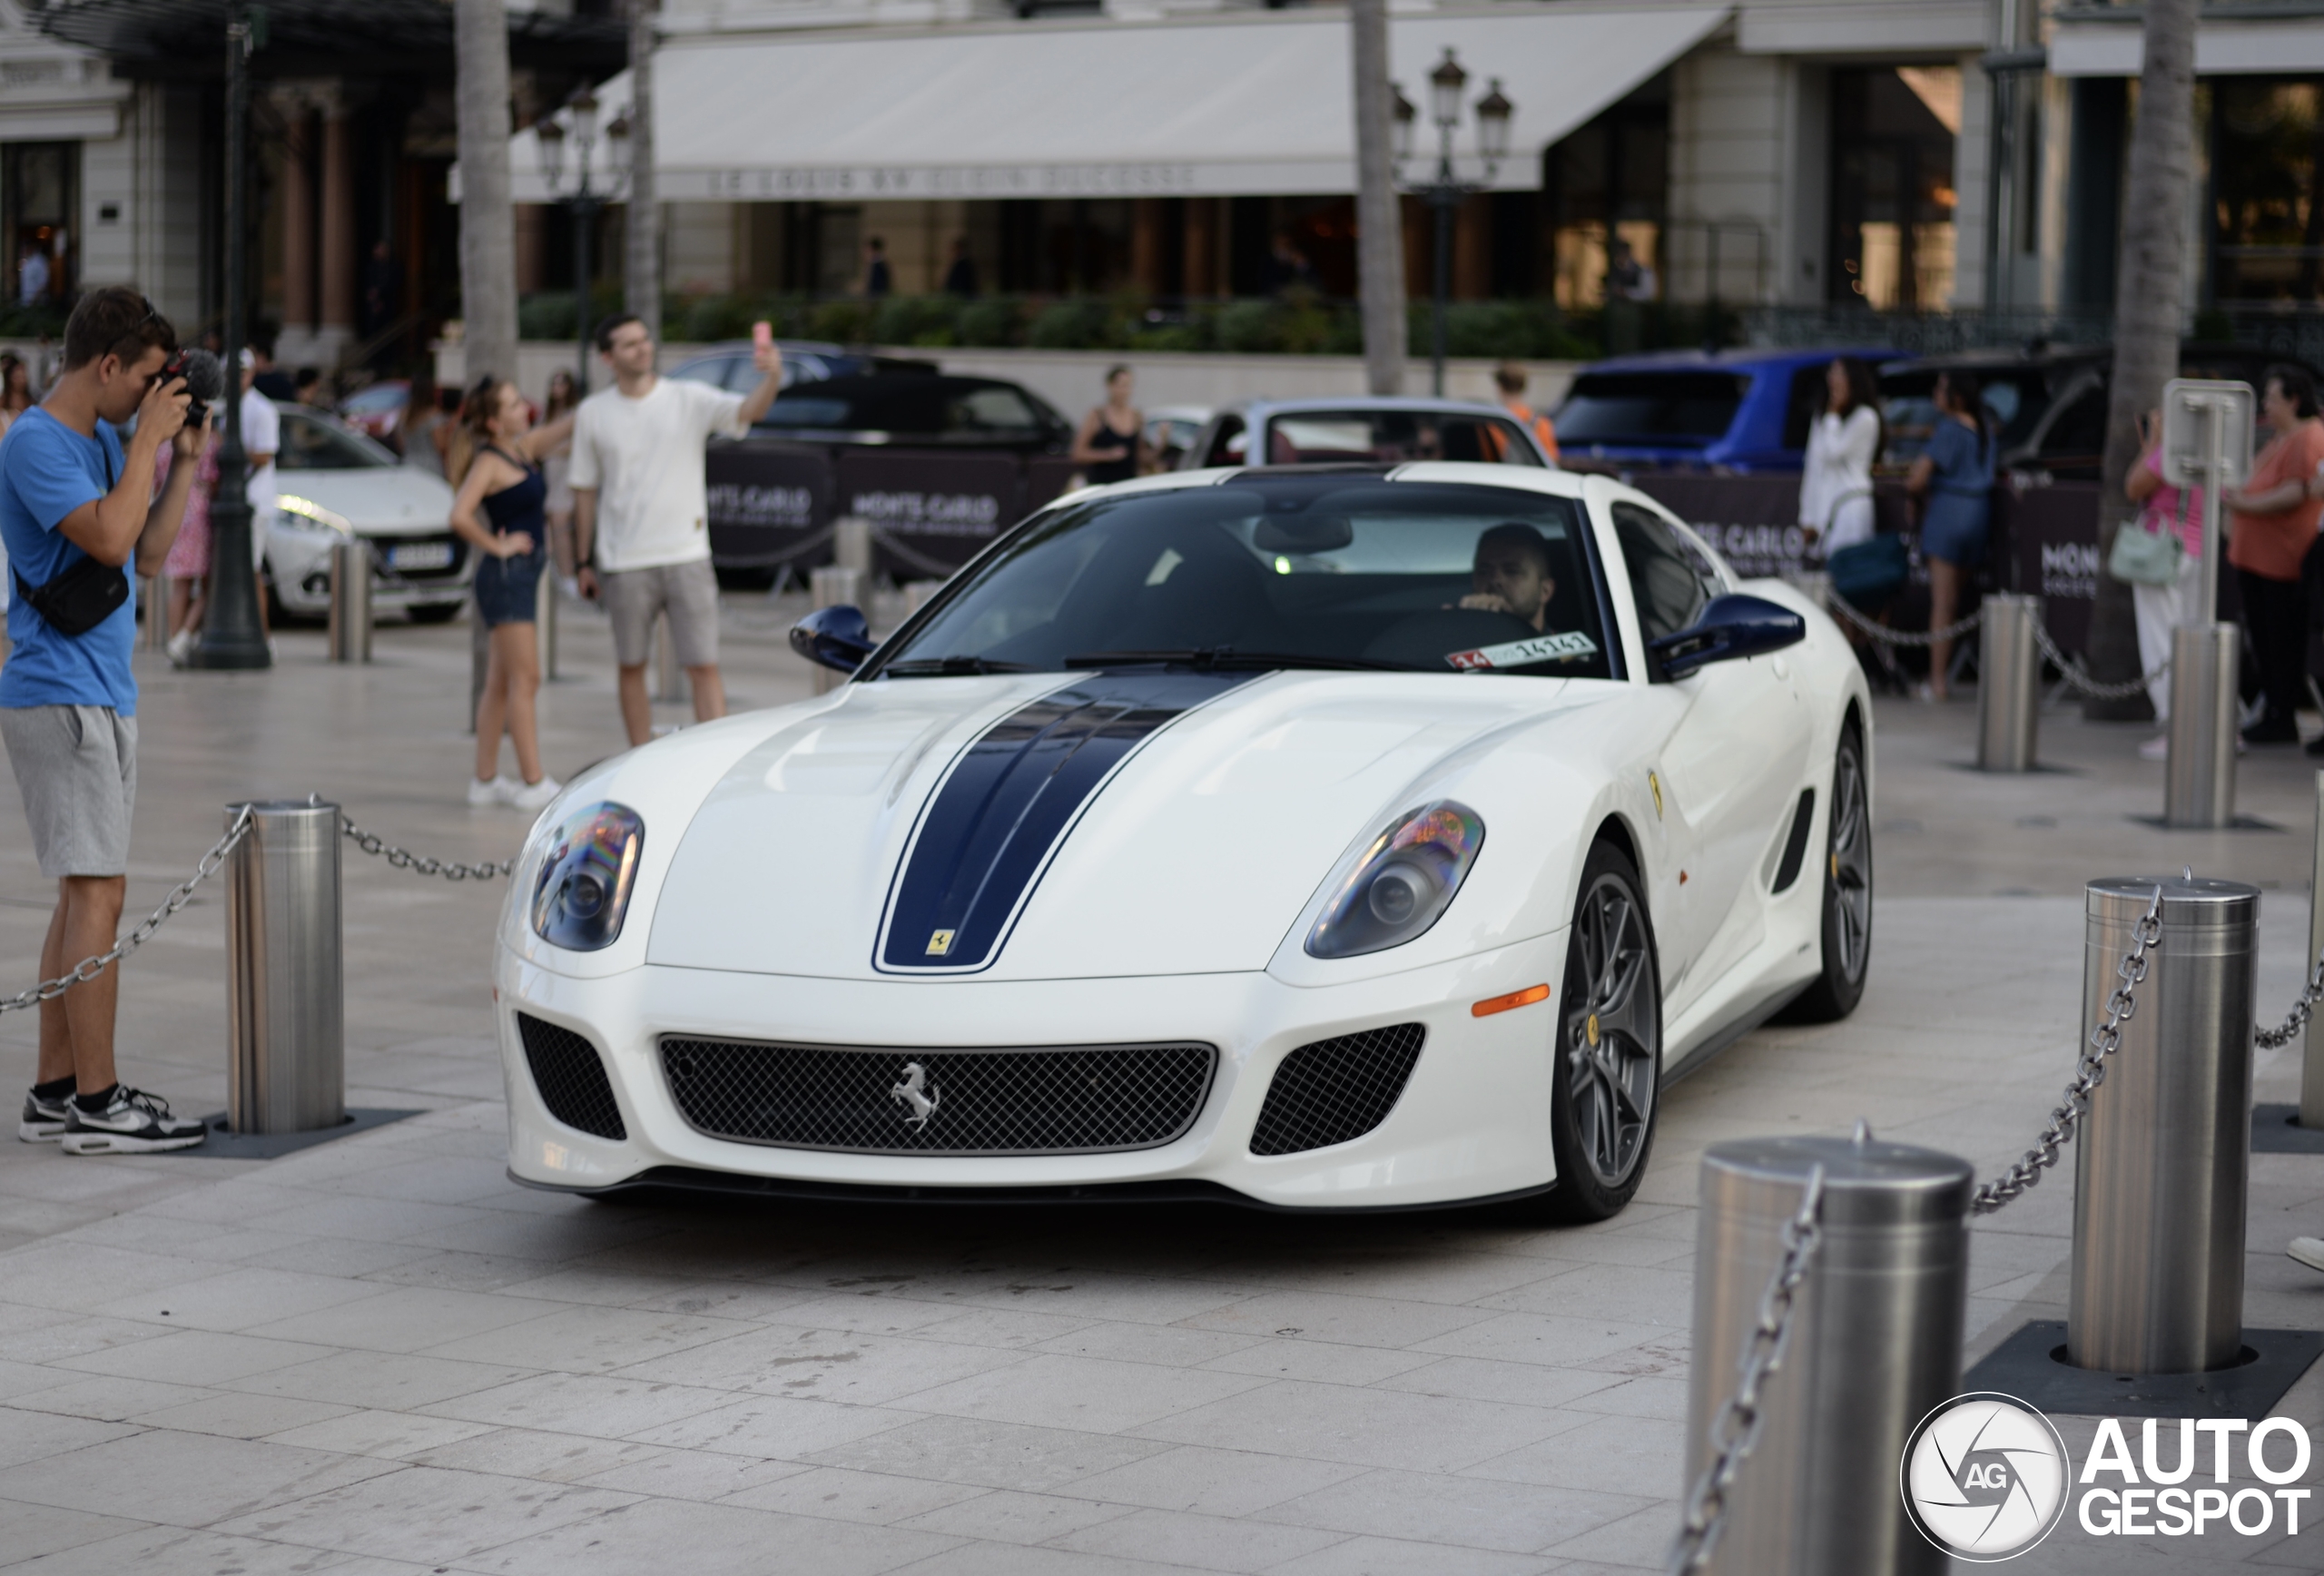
1315	838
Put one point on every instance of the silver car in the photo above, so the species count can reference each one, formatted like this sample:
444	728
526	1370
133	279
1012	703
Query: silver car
331	483
1360	429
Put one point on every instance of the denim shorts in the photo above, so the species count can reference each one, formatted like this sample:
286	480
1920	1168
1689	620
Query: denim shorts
508	590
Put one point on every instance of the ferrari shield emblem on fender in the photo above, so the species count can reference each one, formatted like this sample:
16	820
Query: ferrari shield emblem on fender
1652	782
939	944
917	1094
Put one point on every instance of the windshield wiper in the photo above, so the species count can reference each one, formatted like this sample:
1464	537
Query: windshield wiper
949	666
1204	658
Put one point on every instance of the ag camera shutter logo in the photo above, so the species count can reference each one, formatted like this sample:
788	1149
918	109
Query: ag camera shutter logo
1986	1477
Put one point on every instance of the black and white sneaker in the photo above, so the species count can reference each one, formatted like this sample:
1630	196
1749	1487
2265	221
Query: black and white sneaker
44	1120
133	1123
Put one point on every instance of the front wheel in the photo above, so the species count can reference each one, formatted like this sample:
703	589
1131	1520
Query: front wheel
1609	1074
1848	895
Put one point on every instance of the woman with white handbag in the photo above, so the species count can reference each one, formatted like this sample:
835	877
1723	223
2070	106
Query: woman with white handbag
2161	554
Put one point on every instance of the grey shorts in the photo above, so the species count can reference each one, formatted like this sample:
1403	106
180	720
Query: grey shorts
77	768
689	593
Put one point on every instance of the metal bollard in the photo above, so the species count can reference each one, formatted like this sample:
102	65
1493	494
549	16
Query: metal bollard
2199	787
1875	1344
2311	1056
285	1006
2009	684
835	586
2163	1158
350	602
852	545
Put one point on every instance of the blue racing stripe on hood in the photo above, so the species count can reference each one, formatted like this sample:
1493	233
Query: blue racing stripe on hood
1010	798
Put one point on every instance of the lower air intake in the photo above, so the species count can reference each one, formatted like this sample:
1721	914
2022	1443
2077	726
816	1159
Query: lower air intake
1337	1089
571	1077
1061	1100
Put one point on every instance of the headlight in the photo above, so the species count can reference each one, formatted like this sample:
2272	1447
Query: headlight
1403	883
305	515
585	878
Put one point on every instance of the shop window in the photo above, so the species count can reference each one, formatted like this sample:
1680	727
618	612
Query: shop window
40	191
1892	226
2268	228
1607	187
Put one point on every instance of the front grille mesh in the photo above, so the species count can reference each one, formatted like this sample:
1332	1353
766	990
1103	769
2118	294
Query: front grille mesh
1337	1089
571	1077
1064	1101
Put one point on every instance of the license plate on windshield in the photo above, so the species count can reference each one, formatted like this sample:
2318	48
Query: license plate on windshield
420	555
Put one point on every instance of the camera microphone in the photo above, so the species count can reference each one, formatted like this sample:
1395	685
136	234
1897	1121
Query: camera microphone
205	380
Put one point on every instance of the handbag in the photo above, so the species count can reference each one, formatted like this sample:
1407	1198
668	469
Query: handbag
1869	572
78	598
2142	555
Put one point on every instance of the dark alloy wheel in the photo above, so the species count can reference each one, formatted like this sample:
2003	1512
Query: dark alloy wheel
1847	893
1609	1045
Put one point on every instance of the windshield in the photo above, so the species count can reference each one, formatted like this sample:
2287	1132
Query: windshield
1388	437
1285	570
1685	408
310	443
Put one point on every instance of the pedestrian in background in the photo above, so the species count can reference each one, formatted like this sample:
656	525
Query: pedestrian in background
310	390
557	467
32	275
877	280
2165	511
1844	443
187	568
961	278
261	438
79	513
505	480
1953	477
641	511
272	381
420	433
1512	379
1111	441
2274	525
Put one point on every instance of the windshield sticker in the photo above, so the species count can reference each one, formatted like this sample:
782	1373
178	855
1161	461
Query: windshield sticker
1524	653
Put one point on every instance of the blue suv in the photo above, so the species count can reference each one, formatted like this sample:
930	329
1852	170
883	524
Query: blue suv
1737	410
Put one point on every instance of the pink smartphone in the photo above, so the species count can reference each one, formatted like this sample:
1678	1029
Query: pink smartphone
762	336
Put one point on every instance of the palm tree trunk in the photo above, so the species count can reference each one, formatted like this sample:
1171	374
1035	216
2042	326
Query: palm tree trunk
487	222
642	294
2149	304
1379	217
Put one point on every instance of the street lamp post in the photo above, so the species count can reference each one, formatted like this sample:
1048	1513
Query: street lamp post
231	635
585	199
1445	190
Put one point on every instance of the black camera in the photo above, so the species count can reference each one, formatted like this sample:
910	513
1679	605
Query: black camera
205	380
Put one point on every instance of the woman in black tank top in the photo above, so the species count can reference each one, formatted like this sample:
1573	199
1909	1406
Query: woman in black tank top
504	480
1111	444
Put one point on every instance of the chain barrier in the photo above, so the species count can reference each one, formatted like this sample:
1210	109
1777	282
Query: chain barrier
2090	1071
2301	1011
1734	1430
913	555
2121	690
90	968
402	858
2066	666
1881	632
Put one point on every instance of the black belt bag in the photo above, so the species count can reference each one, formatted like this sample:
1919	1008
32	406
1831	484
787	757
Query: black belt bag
79	599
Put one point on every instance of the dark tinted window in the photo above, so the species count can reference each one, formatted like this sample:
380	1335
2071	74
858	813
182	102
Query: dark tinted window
955	407
1226	443
2079	431
310	443
1392	437
1332	567
1649	408
1669	579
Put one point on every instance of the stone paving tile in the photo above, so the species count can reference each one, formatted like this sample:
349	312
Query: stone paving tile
1362	1427
27	1531
691	1474
105	1398
1209	1543
1530	1384
424	1512
406	1318
842	1494
998	1455
825	1364
238	1299
557	1458
1325	1361
27	1435
183	1480
173	1551
1355	1320
1214	1483
240	1416
776	1426
1080	1393
1386	1557
581	1403
589	1340
1162	1344
79	1277
395	1380
720	1540
390	1435
1555	1338
1000	1559
1469	1511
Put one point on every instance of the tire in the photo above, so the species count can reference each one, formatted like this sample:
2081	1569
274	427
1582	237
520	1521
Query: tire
1607	1083
1847	918
435	611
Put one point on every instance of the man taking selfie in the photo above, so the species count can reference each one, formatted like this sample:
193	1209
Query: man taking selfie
77	506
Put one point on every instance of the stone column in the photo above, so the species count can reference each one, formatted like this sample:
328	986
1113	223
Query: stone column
1146	244
339	263
298	216
1201	262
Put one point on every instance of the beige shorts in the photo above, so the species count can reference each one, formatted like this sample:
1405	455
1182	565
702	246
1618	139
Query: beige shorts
689	592
77	768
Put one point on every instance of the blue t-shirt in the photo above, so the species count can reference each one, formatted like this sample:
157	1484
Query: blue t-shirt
47	471
1962	462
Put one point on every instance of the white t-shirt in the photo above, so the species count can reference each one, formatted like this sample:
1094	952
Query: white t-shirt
644	459
1836	481
261	434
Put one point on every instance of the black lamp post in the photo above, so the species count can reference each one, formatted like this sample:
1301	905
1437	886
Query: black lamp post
231	636
1444	189
585	200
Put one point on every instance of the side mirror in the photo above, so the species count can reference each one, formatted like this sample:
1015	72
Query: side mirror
837	637
1729	627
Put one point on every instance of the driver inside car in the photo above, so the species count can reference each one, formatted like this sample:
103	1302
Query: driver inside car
1511	574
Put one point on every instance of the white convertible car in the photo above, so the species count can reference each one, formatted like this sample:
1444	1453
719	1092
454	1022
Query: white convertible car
1313	838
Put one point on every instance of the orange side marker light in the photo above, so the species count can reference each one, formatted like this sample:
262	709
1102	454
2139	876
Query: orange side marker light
1525	998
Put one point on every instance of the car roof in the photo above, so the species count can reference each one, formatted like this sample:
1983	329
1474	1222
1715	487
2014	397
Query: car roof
1416	404
745	347
1738	358
1515	477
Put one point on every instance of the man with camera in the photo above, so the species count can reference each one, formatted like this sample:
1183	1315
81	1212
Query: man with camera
77	505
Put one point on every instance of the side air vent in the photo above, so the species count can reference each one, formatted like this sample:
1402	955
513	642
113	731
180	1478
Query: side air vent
571	1077
1337	1089
1794	848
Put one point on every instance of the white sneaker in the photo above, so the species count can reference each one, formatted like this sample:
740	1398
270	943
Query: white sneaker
533	795
181	645
132	1123
482	793
2307	1250
2158	748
